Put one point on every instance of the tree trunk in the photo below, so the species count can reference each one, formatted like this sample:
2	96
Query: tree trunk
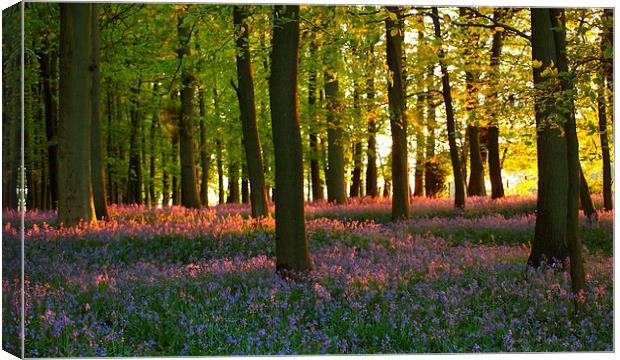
291	241
75	197
134	183
356	178
432	183
459	183
205	157
154	134
98	170
48	62
495	170
189	191
315	168
371	153
335	153
220	172
176	191
475	187
398	121
245	95
556	235
606	40
245	186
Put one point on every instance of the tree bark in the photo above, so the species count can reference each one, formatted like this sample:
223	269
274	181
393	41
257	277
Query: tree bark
75	197
475	187
291	241
459	183
134	183
98	170
315	168
48	62
556	235
335	154
205	157
371	152
606	40
154	134
189	190
247	106
398	121
495	170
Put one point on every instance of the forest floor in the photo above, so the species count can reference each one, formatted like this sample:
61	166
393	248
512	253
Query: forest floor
201	282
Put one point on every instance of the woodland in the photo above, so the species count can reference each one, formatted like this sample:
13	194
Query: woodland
292	179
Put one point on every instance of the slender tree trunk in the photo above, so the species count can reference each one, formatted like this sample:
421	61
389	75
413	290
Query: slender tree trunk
432	183
291	241
245	185
459	183
75	197
495	170
245	95
371	166
48	63
220	172
98	170
154	133
315	168
606	40
205	157
189	191
134	184
176	191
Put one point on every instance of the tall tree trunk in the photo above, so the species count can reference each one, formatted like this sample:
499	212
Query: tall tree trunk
189	191
154	134
398	121
205	157
556	235
356	178
420	160
495	170
475	187
371	153
606	40
335	153
459	183
291	241
48	63
247	106
176	191
134	183
432	183
98	170
220	172
75	197
315	168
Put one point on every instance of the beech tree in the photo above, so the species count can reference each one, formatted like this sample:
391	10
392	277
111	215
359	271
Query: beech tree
245	94
291	241
75	196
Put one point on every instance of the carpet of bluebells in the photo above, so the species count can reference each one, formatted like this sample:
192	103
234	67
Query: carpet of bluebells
172	281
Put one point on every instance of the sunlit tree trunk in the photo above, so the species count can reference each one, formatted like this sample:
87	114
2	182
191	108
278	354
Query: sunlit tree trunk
291	241
398	120
98	170
459	183
495	170
371	152
245	94
607	74
205	157
315	167
75	197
